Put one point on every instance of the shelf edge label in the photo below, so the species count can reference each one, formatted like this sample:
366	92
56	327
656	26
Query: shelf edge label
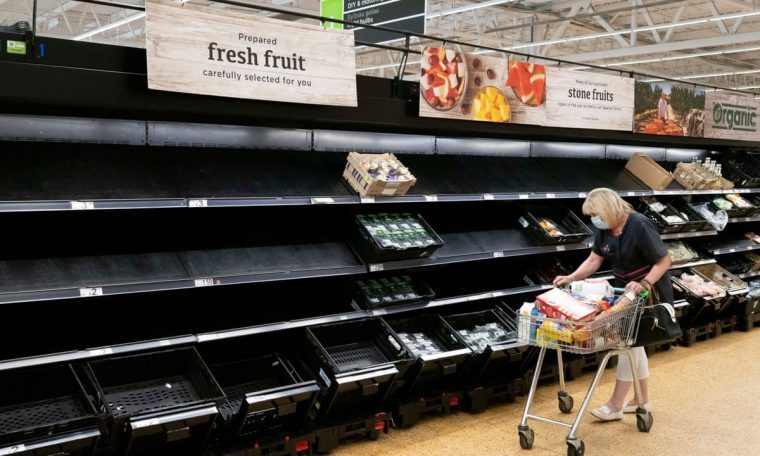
197	203
13	449
206	282
86	292
82	205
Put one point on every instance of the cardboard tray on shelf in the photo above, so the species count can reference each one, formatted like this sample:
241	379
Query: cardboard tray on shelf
365	185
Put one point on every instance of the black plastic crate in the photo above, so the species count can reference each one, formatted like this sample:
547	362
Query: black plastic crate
696	222
439	361
733	212
742	169
358	363
265	395
493	361
157	400
570	228
371	250
391	291
644	205
47	410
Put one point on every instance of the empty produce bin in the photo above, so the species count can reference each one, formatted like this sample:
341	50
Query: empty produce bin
46	411
438	350
667	218
553	224
492	338
266	395
391	237
160	402
358	363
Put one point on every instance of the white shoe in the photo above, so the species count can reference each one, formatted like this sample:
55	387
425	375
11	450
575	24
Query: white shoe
605	414
632	408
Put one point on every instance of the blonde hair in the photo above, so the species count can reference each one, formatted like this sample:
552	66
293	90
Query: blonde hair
608	205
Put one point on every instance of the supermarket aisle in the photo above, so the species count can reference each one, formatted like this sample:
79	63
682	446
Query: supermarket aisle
705	402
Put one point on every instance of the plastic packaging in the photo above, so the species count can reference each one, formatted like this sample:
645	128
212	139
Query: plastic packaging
718	219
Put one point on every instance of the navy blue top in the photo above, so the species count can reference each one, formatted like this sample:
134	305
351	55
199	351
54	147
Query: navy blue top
632	254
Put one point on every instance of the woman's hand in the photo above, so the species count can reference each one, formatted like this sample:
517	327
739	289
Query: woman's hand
563	280
634	287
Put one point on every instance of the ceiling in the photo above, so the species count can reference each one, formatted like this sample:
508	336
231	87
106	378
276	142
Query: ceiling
713	42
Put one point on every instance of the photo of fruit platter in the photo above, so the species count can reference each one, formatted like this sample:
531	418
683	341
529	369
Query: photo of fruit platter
457	85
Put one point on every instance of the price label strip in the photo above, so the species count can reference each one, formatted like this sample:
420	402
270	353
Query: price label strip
82	205
87	291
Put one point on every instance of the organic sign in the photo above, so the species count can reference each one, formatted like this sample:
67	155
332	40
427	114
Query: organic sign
196	49
730	116
669	109
576	99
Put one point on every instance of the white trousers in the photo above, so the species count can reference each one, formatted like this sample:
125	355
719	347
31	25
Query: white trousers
639	356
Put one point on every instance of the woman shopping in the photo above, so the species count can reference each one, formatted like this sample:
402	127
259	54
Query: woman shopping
630	243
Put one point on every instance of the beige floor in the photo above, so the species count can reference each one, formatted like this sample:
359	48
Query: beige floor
706	401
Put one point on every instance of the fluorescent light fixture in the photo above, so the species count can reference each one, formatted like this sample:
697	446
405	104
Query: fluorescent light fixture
465	8
387	65
110	26
680	57
735	15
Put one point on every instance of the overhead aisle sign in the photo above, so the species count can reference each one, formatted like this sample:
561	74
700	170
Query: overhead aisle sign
197	49
408	15
575	99
731	116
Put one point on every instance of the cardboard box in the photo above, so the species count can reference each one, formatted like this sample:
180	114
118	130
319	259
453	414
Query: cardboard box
649	172
360	180
558	304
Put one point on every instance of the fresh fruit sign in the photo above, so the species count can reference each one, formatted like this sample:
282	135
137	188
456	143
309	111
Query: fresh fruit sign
455	85
196	49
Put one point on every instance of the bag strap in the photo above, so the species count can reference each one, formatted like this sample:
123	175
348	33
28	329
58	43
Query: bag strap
653	295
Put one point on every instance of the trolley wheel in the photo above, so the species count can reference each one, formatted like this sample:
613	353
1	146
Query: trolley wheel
644	420
576	448
526	437
565	402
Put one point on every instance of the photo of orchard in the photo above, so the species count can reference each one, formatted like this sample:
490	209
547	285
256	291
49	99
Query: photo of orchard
668	109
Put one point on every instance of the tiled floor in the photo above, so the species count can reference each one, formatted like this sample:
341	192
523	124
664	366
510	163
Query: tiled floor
706	401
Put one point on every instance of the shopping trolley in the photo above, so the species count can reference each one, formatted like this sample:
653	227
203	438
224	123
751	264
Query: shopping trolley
615	332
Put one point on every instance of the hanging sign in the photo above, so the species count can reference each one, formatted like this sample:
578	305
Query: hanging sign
458	85
732	116
197	49
575	99
407	15
663	108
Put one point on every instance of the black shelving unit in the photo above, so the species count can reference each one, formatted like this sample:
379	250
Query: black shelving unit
269	213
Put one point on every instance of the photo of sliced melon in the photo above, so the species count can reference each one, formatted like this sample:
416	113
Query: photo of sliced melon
528	81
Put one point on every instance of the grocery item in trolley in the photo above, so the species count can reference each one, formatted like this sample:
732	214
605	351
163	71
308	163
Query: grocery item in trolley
592	289
557	303
543	325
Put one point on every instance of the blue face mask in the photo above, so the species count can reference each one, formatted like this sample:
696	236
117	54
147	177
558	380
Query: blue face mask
599	223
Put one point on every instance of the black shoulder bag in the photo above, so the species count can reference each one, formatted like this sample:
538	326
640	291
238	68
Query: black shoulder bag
658	324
